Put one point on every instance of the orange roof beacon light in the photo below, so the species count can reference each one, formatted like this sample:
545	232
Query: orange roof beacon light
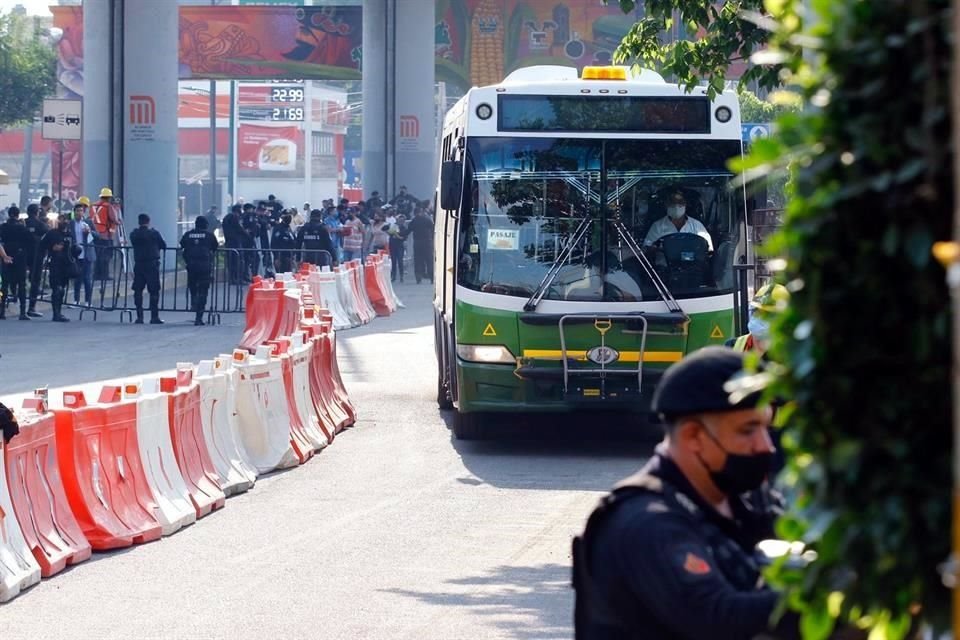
604	73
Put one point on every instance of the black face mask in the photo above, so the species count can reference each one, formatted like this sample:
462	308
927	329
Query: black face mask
740	473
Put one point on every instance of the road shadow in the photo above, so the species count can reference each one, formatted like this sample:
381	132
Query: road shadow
596	449
525	602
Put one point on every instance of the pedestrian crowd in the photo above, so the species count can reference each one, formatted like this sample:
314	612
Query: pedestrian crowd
89	243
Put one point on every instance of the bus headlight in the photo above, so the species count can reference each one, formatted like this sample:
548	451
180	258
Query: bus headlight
486	353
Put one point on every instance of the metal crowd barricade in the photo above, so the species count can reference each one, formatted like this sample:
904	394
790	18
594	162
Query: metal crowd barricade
232	271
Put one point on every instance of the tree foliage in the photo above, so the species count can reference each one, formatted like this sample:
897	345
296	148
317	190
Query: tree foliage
28	69
864	345
754	109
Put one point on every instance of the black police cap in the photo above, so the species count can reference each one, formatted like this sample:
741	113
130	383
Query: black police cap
696	384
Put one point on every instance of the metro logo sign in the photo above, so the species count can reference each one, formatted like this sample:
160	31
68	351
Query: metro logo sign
143	110
409	127
143	118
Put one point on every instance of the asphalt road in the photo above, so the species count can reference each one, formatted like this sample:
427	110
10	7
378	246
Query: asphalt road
396	531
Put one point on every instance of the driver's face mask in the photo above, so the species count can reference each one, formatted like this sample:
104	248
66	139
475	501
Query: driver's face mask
676	211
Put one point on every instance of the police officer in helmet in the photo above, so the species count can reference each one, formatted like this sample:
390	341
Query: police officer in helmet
313	239
670	553
147	247
57	244
199	247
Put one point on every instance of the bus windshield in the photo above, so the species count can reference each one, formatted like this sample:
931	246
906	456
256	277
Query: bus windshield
529	198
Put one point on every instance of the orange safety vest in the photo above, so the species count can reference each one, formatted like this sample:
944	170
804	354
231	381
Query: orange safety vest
104	218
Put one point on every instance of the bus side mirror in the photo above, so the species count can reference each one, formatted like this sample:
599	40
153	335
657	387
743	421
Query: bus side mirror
451	185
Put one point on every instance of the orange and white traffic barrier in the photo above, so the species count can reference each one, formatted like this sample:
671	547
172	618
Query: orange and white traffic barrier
385	266
361	290
218	416
189	445
301	360
300	438
37	494
379	264
374	287
323	402
264	425
99	459
18	568
324	287
347	296
174	508
327	386
264	305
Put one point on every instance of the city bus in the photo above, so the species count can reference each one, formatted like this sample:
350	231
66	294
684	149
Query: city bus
587	228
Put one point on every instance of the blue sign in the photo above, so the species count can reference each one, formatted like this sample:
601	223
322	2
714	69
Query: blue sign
751	131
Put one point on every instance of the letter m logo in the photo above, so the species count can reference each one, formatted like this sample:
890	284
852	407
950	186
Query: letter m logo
143	110
409	127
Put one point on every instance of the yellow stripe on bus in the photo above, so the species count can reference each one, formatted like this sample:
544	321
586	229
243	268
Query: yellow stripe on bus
625	356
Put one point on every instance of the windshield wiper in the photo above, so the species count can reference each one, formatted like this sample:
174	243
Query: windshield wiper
672	305
554	271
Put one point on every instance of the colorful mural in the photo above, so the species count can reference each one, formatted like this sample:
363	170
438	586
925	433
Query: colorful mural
479	42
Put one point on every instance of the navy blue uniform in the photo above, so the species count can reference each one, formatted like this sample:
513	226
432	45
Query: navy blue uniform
18	244
62	266
199	247
661	564
312	239
147	247
283	244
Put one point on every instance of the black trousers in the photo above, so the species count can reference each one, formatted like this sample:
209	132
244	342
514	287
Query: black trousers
59	281
423	262
198	283
397	251
146	275
15	282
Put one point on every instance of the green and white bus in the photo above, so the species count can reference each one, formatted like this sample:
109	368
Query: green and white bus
586	234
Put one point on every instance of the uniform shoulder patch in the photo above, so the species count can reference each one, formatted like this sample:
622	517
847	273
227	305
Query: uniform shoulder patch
695	565
657	507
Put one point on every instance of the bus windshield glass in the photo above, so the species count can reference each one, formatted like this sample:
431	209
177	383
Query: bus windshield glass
530	196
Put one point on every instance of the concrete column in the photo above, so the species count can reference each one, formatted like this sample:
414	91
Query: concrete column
413	117
150	114
374	84
97	96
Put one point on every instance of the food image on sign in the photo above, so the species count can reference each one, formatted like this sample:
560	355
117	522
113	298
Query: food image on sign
277	155
503	239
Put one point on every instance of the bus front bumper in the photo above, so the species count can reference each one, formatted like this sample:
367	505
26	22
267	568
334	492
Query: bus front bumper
530	389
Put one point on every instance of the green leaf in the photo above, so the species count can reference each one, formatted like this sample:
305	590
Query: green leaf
816	624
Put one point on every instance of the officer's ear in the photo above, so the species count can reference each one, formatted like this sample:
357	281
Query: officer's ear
685	433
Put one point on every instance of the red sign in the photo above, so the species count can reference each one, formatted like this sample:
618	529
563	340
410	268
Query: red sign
143	110
265	152
409	127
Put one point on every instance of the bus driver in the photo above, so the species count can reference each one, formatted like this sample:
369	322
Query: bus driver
677	221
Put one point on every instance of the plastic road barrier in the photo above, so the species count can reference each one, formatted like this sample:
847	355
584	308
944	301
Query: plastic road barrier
348	300
169	489
99	459
262	411
324	287
375	293
218	418
323	401
18	568
297	381
290	304
263	315
385	266
226	369
37	494
299	439
189	445
356	268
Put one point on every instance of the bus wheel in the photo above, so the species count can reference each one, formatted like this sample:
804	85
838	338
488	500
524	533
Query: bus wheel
443	395
468	426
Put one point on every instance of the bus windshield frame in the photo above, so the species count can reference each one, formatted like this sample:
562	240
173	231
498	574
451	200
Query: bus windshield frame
526	198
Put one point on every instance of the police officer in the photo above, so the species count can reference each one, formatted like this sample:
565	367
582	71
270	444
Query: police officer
251	227
147	247
233	234
57	245
264	226
283	243
37	226
670	552
199	247
312	238
18	245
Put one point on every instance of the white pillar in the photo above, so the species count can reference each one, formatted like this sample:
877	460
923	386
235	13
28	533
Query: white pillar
97	96
414	114
374	85
151	33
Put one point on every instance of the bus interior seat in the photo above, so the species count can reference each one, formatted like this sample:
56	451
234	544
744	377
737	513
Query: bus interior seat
686	255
